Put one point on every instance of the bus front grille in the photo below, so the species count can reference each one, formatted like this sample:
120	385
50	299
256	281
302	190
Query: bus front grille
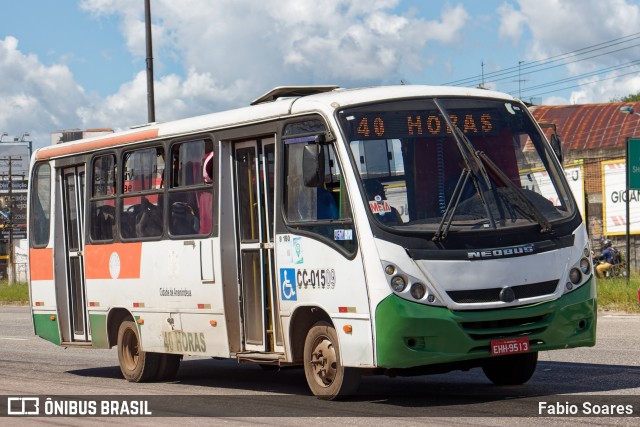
493	329
493	294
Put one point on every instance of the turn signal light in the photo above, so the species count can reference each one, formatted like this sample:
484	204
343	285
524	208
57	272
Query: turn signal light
347	329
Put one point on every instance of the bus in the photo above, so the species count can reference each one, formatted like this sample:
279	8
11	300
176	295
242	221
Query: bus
381	230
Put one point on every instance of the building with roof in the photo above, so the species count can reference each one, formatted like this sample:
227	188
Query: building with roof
595	137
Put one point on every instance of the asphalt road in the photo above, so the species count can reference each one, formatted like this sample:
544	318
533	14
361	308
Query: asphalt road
229	393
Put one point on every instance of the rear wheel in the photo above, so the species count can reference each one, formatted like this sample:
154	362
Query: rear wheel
136	365
513	369
326	376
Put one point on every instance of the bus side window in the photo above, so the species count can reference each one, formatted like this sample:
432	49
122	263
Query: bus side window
315	196
102	211
191	190
141	214
41	206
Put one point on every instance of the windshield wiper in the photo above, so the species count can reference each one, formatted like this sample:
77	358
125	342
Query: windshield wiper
468	152
447	217
521	201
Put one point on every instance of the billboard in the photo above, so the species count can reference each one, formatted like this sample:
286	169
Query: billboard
14	176
614	197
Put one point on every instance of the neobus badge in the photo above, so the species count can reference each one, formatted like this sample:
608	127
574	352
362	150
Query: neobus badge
502	252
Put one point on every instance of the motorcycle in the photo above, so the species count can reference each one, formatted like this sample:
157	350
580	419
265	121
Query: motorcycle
618	269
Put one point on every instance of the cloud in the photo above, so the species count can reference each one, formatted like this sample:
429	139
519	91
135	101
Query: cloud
559	27
605	88
35	96
511	23
254	46
174	96
210	56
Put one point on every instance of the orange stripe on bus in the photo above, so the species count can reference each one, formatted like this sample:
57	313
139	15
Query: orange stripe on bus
41	264
109	141
126	262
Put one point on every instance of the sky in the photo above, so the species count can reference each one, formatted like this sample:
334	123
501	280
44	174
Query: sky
81	64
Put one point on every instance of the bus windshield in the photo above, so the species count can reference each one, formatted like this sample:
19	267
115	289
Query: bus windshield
456	164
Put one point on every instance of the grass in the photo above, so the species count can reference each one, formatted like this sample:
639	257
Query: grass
613	294
15	294
616	295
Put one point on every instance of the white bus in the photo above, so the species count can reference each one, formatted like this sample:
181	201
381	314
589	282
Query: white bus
382	230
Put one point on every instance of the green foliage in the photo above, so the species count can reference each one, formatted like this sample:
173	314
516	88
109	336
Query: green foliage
15	294
634	97
615	295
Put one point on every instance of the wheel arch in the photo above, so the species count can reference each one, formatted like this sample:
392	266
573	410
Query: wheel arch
116	316
302	321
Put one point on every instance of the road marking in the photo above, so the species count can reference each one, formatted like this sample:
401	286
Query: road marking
13	339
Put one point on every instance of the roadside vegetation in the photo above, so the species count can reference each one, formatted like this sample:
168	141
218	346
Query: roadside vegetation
14	294
613	294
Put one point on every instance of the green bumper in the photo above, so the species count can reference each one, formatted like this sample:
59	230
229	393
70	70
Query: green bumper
410	334
46	326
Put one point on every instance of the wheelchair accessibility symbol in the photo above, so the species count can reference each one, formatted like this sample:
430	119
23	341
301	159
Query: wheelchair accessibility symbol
287	287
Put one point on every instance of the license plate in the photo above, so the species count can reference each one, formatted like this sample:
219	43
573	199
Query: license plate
509	346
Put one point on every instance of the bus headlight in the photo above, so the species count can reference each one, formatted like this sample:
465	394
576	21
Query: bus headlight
585	265
398	283
418	290
575	276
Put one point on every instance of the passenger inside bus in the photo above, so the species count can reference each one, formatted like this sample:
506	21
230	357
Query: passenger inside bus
205	198
149	219
379	205
327	208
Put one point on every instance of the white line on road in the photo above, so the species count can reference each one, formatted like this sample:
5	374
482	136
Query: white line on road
13	339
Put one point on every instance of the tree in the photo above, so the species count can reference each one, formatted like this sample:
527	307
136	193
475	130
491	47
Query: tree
634	97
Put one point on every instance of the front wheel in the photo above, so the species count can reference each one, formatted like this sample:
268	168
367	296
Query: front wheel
326	376
136	365
513	369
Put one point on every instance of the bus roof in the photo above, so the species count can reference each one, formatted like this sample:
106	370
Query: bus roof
275	104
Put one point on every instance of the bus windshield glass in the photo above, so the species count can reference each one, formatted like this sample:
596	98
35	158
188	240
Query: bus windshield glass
456	164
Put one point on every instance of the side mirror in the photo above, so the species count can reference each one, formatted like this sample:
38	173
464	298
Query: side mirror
556	145
313	162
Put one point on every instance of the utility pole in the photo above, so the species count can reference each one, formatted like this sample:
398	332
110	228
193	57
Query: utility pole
520	79
150	93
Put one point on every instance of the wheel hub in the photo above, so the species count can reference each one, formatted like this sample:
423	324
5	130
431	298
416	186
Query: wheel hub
324	361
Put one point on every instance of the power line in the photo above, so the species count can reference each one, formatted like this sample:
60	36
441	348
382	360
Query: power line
582	84
580	76
511	71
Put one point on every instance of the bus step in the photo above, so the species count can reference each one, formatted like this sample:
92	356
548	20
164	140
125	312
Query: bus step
260	357
79	344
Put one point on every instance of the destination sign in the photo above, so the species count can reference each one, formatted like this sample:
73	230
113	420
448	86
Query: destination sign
387	125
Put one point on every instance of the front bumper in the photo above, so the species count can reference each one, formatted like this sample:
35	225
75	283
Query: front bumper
410	334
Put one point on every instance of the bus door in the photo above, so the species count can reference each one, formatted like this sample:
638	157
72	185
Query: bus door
254	181
73	194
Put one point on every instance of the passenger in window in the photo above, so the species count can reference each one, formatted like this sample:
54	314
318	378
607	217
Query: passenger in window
380	207
205	198
149	219
327	208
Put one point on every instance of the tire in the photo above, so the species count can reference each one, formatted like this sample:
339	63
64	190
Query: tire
327	378
136	365
168	365
513	369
